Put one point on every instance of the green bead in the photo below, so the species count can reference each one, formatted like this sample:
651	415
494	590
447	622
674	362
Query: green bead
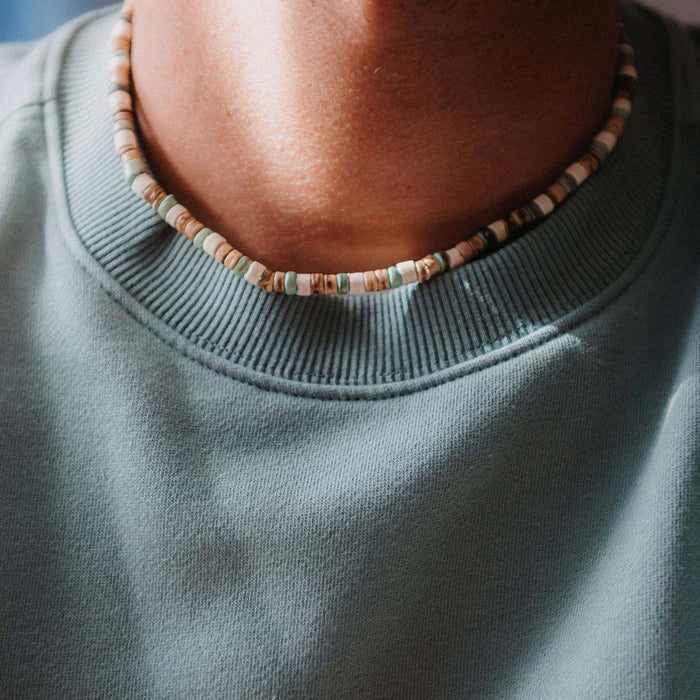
442	259
166	205
567	182
123	125
290	283
601	149
132	169
198	240
621	112
343	282
395	279
241	267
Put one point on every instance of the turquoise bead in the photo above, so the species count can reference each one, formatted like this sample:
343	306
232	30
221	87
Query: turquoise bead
166	205
442	259
395	279
601	149
290	283
343	282
241	267
198	240
132	169
567	182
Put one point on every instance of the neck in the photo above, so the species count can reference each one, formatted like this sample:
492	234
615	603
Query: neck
328	137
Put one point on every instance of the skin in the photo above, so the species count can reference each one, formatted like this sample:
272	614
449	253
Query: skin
351	134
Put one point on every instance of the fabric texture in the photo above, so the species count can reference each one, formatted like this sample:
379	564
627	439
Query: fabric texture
482	486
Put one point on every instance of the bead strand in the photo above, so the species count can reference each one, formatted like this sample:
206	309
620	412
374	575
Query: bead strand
141	180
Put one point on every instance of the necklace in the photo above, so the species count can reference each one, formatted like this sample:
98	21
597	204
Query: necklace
141	180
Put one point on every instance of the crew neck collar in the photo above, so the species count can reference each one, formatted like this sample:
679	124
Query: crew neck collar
554	276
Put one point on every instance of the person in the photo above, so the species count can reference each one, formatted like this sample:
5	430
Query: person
479	479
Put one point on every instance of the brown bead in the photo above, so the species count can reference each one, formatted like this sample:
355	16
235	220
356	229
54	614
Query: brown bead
331	284
130	153
192	228
422	270
589	163
557	193
154	194
317	283
278	281
121	74
382	279
427	267
477	244
615	125
465	250
181	221
124	114
266	280
595	155
370	281
222	251
232	258
121	43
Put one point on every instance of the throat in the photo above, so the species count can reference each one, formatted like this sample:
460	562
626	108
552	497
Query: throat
327	141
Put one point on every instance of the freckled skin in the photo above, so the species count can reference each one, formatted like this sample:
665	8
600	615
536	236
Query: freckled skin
328	137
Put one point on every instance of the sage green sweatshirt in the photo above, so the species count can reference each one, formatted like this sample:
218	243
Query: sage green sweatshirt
482	486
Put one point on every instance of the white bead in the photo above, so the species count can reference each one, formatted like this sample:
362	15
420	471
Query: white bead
500	228
303	284
357	282
254	272
626	49
212	242
455	257
141	182
174	212
125	137
407	270
120	100
578	172
119	62
628	70
623	103
607	138
122	30
544	203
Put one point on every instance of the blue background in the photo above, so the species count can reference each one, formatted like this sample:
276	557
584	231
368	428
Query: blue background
28	19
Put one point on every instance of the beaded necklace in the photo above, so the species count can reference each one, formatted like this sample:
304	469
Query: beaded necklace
141	180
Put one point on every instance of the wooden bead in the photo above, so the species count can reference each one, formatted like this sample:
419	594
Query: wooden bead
557	193
426	268
370	281
466	251
330	284
266	280
382	277
232	258
317	283
192	227
278	282
222	251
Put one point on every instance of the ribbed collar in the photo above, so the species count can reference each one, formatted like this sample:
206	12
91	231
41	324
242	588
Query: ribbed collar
554	276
